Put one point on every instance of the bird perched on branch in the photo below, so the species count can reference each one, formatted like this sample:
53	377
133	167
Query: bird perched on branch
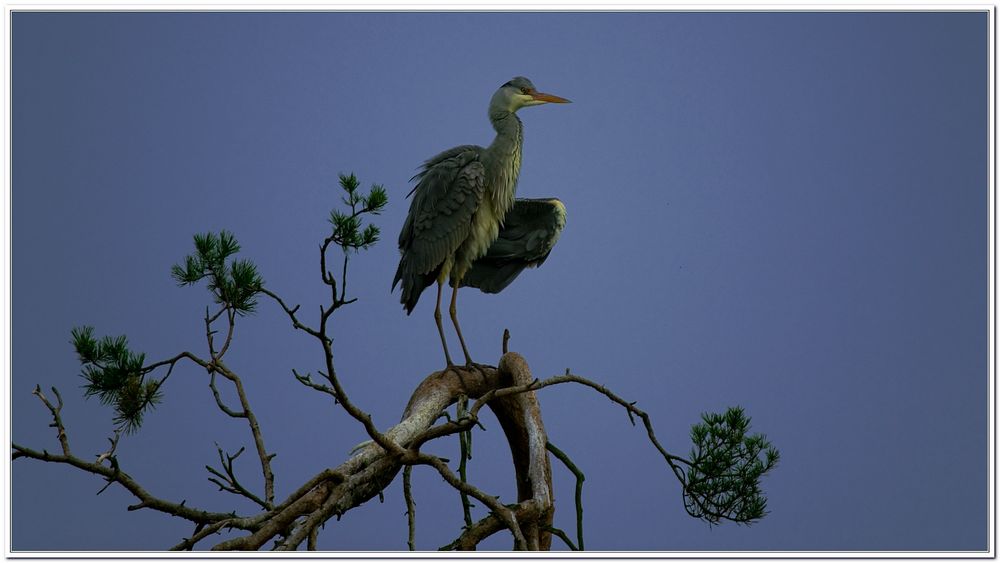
460	201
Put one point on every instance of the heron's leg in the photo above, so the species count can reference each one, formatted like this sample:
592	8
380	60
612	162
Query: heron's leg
454	320
437	319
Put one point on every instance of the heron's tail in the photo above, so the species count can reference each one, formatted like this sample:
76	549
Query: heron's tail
413	285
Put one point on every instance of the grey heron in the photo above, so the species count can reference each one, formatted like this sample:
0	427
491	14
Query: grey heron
459	204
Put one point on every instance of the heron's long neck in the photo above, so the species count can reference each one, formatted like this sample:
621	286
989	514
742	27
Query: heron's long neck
505	164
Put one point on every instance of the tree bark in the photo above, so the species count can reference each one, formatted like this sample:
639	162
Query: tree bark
372	469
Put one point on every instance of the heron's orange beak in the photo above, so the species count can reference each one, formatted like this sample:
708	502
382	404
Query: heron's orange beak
543	97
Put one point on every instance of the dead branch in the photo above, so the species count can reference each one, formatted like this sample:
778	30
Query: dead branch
229	482
580	478
465	454
57	422
411	508
373	467
562	535
217	366
509	391
258	438
201	532
146	500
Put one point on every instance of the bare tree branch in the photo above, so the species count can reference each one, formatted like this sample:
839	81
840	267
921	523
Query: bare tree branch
562	535
508	390
291	313
308	382
313	536
57	422
201	532
504	513
411	508
258	438
475	534
465	454
561	456
218	399
146	500
372	468
217	366
229	481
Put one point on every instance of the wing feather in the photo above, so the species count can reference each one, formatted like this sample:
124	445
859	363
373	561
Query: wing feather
447	195
530	231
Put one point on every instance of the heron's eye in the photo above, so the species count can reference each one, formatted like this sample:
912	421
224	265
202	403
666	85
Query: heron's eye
524	90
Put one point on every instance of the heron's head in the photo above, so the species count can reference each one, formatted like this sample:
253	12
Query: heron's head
519	92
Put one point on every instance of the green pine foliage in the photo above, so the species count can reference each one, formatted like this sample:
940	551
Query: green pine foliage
234	285
347	227
114	374
117	376
723	482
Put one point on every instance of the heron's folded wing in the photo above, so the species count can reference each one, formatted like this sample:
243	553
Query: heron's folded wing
530	231
444	201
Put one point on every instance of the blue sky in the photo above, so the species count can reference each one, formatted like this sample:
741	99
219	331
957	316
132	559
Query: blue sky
783	211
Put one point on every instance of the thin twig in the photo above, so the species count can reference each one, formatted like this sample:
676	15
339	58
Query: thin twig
465	453
57	422
630	409
328	277
229	482
527	511
361	416
561	535
218	400
343	277
327	343
201	532
258	438
231	317
579	492
102	457
504	513
291	313
411	508
308	382
216	365
146	500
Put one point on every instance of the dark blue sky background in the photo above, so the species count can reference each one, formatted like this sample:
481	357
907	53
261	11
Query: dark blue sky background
785	212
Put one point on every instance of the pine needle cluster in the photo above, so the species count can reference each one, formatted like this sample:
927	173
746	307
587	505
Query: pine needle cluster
723	482
347	227
234	285
115	375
